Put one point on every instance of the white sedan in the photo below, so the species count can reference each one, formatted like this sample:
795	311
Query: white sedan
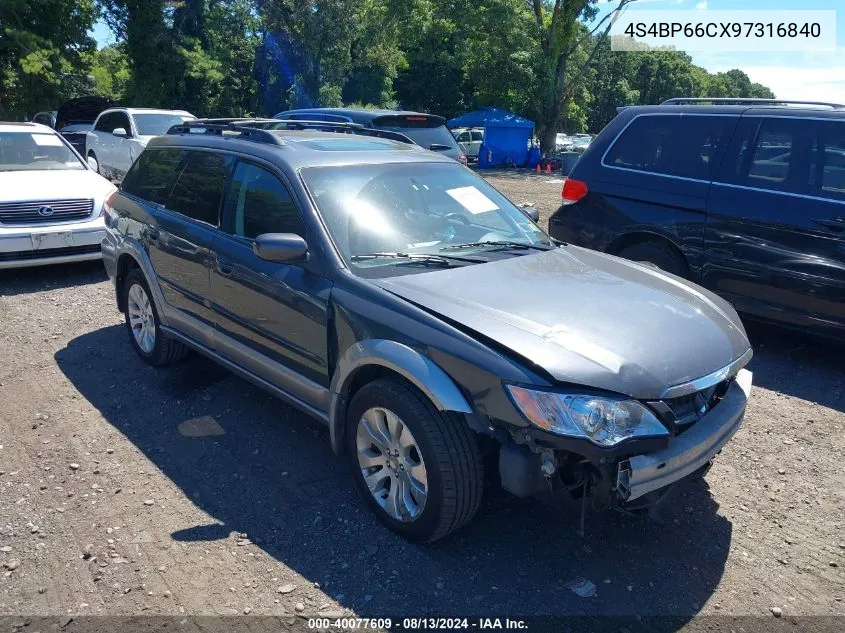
51	201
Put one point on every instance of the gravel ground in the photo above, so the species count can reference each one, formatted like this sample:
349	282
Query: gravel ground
185	490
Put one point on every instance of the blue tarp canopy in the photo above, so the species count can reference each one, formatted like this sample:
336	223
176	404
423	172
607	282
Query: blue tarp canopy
506	135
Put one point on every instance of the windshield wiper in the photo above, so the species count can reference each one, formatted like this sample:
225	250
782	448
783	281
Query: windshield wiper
422	258
504	244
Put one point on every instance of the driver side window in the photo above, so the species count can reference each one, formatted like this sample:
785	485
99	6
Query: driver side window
257	202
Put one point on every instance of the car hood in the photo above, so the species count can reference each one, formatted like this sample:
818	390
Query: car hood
587	318
52	185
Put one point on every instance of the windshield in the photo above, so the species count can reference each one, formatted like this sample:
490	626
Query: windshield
25	151
416	208
149	124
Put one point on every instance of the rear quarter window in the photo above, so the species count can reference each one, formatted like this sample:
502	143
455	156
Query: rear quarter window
153	175
688	146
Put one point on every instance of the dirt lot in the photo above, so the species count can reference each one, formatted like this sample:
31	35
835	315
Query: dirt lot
130	490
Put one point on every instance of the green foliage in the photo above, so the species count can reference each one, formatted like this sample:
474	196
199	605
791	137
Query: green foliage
110	72
44	48
547	60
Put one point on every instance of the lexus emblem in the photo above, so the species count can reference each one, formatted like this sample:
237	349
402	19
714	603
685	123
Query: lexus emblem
45	211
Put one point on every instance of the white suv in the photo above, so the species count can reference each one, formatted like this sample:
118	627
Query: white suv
50	201
120	135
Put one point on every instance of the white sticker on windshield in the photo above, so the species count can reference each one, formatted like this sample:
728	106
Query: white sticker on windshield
472	199
47	139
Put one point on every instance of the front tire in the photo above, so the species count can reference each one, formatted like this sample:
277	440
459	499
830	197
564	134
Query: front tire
143	324
93	163
419	469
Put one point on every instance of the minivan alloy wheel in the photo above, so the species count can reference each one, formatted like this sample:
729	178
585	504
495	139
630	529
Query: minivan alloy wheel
141	318
391	464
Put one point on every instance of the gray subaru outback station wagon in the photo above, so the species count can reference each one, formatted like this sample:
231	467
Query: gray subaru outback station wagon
396	296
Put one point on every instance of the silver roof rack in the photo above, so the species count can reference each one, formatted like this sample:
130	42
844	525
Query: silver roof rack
261	130
748	102
232	126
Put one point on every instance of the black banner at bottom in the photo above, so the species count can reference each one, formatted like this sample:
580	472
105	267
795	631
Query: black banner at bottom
534	624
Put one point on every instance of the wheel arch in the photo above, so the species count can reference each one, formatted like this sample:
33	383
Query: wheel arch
131	254
645	237
371	359
125	264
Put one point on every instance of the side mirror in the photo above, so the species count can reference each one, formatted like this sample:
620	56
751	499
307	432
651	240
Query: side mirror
120	131
282	248
530	211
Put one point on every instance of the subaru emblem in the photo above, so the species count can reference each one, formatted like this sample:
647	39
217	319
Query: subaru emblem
45	211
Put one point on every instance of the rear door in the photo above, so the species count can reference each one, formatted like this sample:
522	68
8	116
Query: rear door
278	310
653	178
775	238
182	229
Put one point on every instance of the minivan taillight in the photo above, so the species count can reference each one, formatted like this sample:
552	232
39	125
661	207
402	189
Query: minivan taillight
573	190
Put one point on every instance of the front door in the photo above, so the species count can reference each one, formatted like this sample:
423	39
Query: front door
119	156
278	310
775	232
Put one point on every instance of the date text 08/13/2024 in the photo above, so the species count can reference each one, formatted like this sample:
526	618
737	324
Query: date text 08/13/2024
351	624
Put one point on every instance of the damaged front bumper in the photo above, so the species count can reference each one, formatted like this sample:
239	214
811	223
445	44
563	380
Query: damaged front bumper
641	474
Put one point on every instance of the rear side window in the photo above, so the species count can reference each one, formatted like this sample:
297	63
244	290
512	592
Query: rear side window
422	129
258	203
773	155
477	136
827	176
199	190
674	145
152	176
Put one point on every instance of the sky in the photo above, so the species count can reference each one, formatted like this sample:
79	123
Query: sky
810	76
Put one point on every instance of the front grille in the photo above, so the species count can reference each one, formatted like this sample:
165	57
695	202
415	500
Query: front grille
690	408
44	253
45	211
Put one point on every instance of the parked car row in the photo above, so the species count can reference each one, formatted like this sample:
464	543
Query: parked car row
331	258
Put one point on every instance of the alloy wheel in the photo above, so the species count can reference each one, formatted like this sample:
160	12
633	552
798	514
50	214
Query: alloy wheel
141	318
391	464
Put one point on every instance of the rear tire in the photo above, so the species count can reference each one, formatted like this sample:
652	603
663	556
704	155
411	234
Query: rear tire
150	343
658	256
443	452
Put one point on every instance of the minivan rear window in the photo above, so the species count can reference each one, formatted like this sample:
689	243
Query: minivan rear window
423	129
674	145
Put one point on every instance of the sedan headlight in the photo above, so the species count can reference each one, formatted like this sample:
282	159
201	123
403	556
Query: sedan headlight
604	421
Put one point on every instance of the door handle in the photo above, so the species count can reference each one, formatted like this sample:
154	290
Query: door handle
224	266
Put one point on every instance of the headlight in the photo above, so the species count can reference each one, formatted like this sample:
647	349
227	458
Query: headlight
604	421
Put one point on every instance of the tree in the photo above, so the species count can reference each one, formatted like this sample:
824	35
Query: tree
110	72
196	55
561	33
44	53
311	43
